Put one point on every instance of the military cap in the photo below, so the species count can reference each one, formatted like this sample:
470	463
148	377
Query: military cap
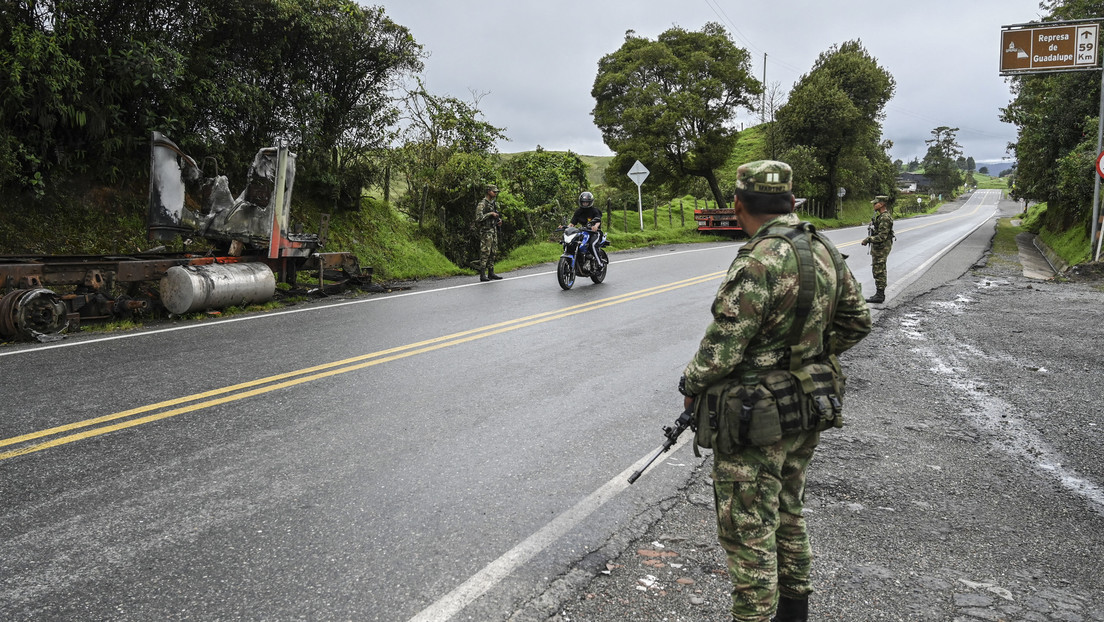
881	198
765	176
492	188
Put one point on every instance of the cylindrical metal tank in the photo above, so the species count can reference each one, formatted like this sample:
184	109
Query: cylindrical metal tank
194	288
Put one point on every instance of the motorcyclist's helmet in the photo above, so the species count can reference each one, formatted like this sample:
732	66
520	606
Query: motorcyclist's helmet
586	199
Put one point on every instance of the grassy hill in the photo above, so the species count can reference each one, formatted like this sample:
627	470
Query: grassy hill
596	168
990	183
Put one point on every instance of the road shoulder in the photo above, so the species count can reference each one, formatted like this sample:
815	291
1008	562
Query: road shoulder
966	485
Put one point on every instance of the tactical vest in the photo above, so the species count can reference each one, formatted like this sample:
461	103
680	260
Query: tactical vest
759	407
872	229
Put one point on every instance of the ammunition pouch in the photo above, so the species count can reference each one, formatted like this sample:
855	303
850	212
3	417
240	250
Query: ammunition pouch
759	407
732	414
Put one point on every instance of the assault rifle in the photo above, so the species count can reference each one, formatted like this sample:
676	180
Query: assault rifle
685	420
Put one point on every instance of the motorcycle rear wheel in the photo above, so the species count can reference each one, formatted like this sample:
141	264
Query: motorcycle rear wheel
565	273
600	275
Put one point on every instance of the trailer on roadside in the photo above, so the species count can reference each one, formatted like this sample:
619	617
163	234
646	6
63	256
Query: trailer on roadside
253	248
722	220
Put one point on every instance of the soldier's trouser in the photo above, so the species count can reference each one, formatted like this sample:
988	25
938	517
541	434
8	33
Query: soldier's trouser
488	245
760	496
878	256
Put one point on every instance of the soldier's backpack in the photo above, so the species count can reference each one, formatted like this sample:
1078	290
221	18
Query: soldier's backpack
809	395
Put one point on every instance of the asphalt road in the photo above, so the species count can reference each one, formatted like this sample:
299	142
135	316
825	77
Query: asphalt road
447	450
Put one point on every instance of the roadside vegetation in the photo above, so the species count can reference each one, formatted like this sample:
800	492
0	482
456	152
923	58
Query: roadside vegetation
400	175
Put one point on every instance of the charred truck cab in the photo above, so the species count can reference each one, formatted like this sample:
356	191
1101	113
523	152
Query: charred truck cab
254	248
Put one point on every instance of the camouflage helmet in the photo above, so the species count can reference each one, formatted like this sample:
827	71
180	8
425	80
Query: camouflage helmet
881	198
492	188
765	176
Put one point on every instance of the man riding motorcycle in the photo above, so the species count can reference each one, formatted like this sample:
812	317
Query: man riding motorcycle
590	218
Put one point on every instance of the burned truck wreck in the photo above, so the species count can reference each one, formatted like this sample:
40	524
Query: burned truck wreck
252	247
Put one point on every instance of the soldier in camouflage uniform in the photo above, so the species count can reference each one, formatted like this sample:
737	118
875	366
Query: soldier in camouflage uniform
759	491
880	239
487	220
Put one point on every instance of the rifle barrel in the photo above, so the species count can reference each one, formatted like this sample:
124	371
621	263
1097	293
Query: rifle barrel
672	435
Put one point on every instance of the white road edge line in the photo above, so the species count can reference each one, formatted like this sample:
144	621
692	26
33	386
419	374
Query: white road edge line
40	348
910	278
482	581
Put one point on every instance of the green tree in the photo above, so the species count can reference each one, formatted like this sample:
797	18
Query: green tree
448	156
78	78
671	103
806	170
84	83
836	109
940	161
318	72
1056	117
548	184
341	93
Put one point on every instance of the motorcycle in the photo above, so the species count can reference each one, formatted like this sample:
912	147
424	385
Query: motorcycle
577	260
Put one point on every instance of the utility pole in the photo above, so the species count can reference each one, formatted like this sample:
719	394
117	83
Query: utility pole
763	99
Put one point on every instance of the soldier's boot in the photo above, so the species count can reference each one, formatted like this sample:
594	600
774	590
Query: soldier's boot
491	275
483	275
792	610
879	296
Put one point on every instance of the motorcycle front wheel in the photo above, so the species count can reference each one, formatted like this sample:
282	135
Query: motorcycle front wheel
565	273
600	275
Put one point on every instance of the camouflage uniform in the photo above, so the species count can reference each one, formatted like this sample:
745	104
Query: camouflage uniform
759	491
487	226
881	242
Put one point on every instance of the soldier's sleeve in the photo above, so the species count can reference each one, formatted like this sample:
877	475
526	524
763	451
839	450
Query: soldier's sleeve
738	312
852	321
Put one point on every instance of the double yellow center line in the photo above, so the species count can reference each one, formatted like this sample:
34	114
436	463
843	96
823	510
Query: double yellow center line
88	428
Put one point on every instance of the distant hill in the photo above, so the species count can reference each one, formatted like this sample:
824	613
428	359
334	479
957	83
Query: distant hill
596	168
995	167
596	165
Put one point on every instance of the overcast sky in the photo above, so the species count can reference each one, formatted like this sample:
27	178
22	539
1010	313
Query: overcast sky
533	63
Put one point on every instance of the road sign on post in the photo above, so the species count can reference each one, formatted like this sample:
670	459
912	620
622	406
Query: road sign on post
1058	47
638	173
1067	47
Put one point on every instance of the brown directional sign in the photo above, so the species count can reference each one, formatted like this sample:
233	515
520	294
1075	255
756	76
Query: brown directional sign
1030	50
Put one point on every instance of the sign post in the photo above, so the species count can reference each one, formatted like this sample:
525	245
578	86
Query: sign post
1057	48
1097	235
638	173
